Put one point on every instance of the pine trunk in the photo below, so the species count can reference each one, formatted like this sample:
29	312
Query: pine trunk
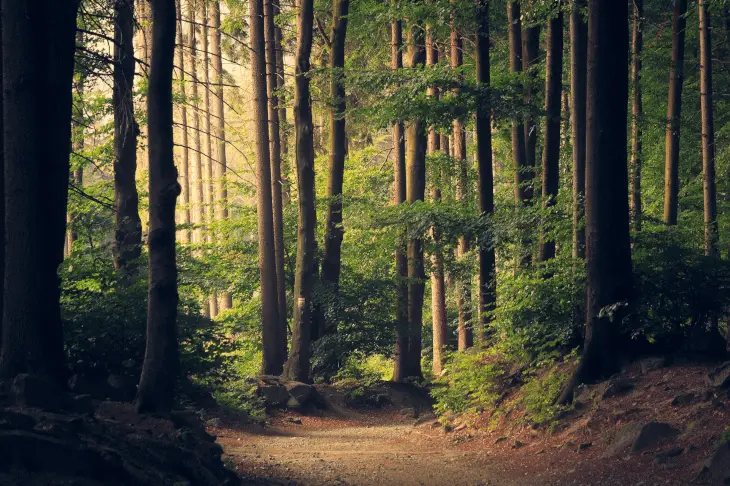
578	73
185	234
522	173
637	113
674	113
161	361
530	59
297	367
708	132
196	183
551	153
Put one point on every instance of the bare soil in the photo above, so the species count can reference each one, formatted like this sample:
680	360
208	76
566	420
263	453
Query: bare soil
344	446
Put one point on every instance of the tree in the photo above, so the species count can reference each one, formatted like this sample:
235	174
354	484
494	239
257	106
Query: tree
273	360
331	259
487	270
128	231
522	172
276	181
297	367
637	112
415	191
463	283
674	113
551	153
578	73
530	59
198	198
38	40
708	132
185	159
608	251
161	359
77	174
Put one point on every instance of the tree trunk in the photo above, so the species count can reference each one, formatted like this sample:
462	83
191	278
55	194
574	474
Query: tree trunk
219	168
608	252
438	289
551	153
161	359
128	231
674	112
197	169
77	134
38	40
578	73
530	59
637	113
708	132
185	159
415	191
463	283
280	83
523	175
276	183
401	358
487	270
331	259
297	367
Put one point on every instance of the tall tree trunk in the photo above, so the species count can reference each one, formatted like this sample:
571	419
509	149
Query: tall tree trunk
578	73
276	183
77	134
608	252
708	132
463	283
197	166
637	113
402	340
219	168
331	259
273	360
487	270
297	367
674	113
38	42
522	173
185	159
551	153
415	191
128	231
161	360
280	83
530	59
438	289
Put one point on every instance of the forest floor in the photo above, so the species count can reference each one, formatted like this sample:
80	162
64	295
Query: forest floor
388	446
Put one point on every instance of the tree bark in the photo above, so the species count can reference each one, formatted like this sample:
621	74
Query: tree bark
161	361
463	283
401	358
280	83
276	183
530	59
198	197
77	134
708	132
522	172
551	151
185	234
415	191
487	270
273	359
637	113
674	113
297	367
128	232
578	73
331	259
38	40
608	252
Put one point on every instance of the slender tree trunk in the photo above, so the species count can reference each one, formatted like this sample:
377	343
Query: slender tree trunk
297	367
77	134
276	182
401	357
708	132
487	270
161	361
578	73
530	59
415	191
219	168
608	252
196	184
522	173
551	153
438	289
331	259
674	112
463	283
185	159
280	83
128	233
637	112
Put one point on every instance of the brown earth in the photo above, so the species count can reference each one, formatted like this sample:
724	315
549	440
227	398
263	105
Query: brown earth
388	446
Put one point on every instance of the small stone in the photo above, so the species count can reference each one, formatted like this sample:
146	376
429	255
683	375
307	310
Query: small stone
618	387
214	422
664	456
684	399
720	376
584	445
294	420
517	444
500	439
651	364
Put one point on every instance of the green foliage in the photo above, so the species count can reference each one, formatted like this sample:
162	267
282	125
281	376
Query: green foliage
365	369
540	394
471	382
